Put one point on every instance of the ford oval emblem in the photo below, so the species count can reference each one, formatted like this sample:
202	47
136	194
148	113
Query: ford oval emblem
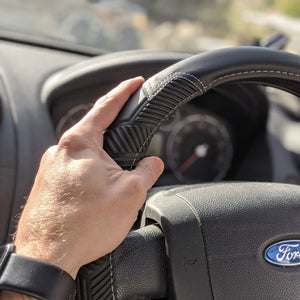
284	253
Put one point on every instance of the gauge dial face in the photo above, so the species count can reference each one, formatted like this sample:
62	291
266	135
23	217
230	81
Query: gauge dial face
200	149
71	118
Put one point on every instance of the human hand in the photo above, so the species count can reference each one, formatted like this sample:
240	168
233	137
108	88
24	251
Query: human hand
82	204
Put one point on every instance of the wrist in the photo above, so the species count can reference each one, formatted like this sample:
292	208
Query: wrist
72	271
56	257
32	277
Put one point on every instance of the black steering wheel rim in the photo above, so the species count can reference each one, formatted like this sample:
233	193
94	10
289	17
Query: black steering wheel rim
160	96
263	212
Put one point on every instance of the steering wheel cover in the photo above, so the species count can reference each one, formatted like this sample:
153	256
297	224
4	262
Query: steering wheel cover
263	212
160	96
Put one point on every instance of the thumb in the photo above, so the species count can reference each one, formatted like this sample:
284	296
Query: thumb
149	169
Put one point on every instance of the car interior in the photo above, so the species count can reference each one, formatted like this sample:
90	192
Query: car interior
226	124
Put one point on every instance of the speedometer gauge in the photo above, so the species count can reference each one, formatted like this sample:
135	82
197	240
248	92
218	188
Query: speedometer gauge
200	149
71	118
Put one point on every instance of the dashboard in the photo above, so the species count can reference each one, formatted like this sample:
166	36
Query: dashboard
195	144
204	141
235	132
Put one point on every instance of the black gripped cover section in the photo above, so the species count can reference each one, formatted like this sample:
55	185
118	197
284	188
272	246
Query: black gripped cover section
129	136
94	281
239	221
162	94
135	270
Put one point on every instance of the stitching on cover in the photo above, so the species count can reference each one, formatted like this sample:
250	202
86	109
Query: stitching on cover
111	277
196	78
144	88
253	72
161	121
161	85
157	88
169	78
151	87
204	87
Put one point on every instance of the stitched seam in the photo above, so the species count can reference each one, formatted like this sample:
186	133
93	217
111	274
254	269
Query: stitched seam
169	78
184	76
161	85
145	90
166	81
253	72
111	277
157	88
151	87
155	128
194	77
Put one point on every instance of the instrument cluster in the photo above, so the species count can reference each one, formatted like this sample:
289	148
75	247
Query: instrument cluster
195	144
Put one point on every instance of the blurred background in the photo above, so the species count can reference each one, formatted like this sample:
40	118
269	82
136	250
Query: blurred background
189	25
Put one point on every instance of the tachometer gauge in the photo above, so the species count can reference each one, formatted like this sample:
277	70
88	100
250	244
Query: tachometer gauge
200	149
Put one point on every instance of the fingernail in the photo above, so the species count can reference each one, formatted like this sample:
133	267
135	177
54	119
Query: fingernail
139	77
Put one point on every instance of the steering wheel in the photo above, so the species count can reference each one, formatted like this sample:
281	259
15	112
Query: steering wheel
208	241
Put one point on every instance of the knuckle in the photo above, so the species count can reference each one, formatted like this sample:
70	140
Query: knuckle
102	101
69	140
48	154
50	151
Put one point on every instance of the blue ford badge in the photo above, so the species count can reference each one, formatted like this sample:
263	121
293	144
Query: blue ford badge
284	253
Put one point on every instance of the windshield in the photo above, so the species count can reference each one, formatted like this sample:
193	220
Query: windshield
189	25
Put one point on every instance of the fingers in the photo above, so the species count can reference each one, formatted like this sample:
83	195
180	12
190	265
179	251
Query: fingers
108	107
148	170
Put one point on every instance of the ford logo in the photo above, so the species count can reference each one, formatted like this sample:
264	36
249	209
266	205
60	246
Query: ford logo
284	253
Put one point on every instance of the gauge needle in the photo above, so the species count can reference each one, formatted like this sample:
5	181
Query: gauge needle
199	152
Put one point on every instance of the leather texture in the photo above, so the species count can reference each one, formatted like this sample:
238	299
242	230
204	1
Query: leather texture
95	280
188	275
36	279
234	222
140	265
210	246
135	270
160	96
237	222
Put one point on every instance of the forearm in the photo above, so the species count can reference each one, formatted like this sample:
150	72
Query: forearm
6	295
